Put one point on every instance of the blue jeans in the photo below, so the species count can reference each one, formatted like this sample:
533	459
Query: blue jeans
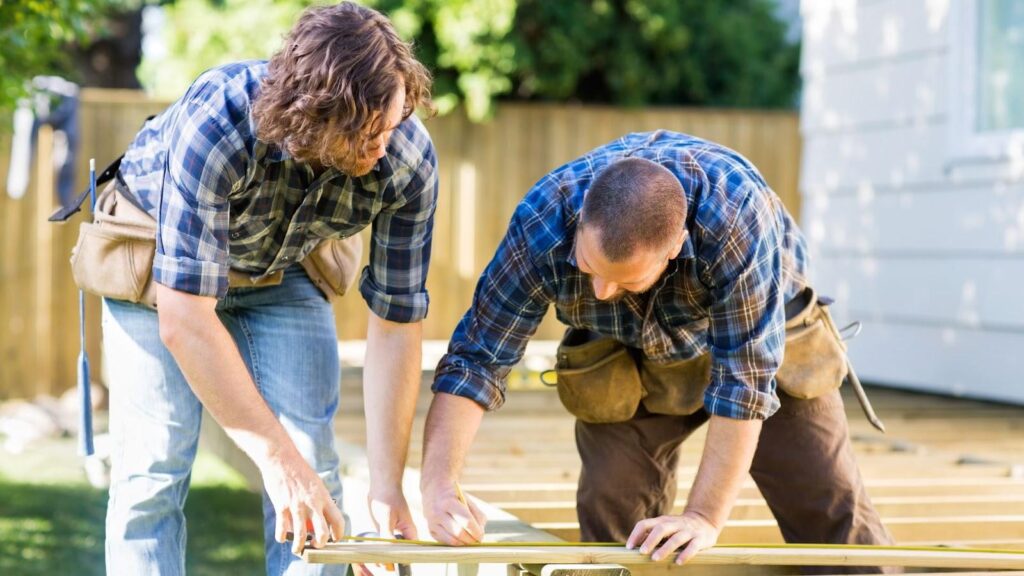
286	335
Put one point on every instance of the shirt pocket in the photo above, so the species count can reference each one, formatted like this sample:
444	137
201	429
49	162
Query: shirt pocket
675	335
252	234
324	229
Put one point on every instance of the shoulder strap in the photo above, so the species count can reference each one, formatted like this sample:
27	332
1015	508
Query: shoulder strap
65	212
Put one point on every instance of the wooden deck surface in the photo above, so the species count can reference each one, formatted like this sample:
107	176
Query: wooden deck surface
948	472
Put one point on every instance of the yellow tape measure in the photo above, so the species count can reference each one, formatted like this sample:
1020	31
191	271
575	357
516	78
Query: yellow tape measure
620	544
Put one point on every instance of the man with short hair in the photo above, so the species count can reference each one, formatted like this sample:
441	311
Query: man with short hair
675	249
246	175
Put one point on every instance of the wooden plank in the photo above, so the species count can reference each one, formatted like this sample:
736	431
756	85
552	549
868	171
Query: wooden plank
757	509
903	530
410	554
662	570
43	278
571	474
495	492
9	337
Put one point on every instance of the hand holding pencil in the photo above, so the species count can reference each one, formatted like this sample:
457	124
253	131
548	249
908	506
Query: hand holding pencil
453	519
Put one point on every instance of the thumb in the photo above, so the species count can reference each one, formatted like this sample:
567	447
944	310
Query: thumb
380	514
405	526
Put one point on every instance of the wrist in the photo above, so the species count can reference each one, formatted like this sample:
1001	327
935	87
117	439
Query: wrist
272	457
437	483
385	491
716	522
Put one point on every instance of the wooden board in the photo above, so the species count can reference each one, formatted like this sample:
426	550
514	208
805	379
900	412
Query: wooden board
795	556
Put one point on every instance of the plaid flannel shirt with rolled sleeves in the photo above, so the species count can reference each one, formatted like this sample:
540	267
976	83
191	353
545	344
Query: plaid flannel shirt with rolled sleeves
226	200
743	258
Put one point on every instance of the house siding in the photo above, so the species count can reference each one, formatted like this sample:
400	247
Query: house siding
926	251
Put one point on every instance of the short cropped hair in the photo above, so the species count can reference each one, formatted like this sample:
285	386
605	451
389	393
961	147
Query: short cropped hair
338	71
632	204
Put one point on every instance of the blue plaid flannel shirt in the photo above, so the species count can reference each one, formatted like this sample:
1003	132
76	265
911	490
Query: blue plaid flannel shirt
226	200
725	291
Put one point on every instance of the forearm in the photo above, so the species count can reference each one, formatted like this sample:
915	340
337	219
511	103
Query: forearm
391	383
728	453
451	425
213	367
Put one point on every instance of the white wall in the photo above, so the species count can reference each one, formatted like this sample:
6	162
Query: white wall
926	248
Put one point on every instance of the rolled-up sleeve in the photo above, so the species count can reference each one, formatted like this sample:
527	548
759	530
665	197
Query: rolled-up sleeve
204	160
394	284
747	321
508	305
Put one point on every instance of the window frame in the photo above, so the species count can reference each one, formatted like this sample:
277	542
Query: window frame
965	142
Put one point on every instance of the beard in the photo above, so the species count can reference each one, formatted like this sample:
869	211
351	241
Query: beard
359	168
351	162
619	295
355	167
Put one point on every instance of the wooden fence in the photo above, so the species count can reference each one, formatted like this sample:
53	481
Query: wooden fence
485	169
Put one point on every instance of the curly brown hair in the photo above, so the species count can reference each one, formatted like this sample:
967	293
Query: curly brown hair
327	90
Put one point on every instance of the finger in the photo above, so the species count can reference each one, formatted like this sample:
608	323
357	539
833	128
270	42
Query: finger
451	533
282	525
437	534
468	529
442	535
375	513
691	550
361	570
407	529
656	535
321	531
473	529
671	545
336	521
299	532
478	514
639	532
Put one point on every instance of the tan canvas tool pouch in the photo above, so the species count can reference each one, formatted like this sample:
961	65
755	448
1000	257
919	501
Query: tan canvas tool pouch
600	380
334	264
113	256
114	253
676	387
815	359
597	377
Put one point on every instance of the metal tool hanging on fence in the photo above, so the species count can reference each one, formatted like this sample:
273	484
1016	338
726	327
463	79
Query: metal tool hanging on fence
85	447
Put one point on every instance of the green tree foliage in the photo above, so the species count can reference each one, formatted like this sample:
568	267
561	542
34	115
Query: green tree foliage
634	52
624	52
201	34
34	35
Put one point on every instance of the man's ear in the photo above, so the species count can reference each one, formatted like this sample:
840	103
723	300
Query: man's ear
678	247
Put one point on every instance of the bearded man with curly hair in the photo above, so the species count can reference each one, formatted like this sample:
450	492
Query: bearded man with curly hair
252	170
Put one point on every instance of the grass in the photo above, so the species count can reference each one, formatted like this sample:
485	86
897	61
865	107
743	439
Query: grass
51	519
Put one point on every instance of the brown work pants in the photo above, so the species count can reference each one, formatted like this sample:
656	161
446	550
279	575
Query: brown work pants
804	466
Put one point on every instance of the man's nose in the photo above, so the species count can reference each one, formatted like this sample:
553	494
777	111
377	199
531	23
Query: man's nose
604	290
